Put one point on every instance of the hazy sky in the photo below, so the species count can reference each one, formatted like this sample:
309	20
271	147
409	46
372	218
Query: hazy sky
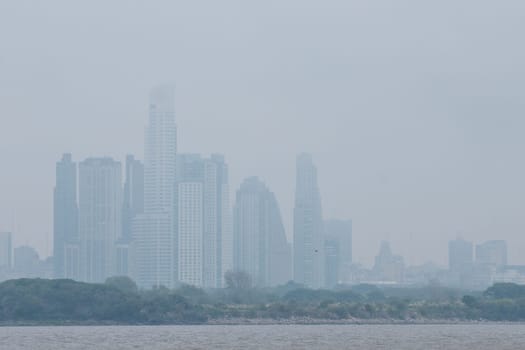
414	110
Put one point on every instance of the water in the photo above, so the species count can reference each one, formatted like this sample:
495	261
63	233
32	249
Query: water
362	337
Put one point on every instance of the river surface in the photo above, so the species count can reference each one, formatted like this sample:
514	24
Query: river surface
362	337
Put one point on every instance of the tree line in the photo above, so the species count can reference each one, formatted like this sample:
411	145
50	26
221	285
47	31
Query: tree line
119	301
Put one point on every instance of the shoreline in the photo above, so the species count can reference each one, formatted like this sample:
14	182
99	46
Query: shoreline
268	322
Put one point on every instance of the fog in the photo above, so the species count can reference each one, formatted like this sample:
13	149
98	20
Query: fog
414	111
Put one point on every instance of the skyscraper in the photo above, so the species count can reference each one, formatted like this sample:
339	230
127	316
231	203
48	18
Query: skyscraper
160	149
65	214
261	248
133	195
201	222
338	251
492	253
100	208
308	245
132	206
153	247
388	267
460	255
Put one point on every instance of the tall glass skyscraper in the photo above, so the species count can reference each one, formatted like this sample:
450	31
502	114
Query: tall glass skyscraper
338	251
261	248
308	245
154	243
132	206
201	219
100	208
160	150
133	195
65	216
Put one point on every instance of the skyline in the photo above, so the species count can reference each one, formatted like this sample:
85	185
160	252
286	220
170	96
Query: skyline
387	237
289	232
417	136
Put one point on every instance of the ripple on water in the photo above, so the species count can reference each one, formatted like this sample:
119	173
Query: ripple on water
363	337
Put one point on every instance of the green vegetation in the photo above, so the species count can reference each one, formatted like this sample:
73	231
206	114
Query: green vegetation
38	300
120	301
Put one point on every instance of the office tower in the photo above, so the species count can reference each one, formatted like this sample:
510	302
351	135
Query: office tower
308	239
160	150
492	253
132	206
123	258
388	267
153	246
338	251
153	251
6	250
331	258
261	248
72	261
200	219
133	195
100	208
460	255
65	213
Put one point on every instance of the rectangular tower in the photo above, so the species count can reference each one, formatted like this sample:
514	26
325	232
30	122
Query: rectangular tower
308	226
65	214
261	248
133	195
154	246
100	206
202	219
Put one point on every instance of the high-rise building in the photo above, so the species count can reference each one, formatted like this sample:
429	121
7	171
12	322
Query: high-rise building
492	253
154	244
460	255
201	219
153	251
133	195
308	241
160	149
65	213
6	250
72	261
123	258
338	251
100	208
132	207
388	267
260	248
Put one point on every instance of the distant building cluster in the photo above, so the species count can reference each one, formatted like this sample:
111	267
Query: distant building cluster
169	221
479	266
21	262
472	267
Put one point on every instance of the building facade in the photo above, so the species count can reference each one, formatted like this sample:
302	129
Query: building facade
65	214
201	219
460	255
308	241
261	248
100	208
492	253
132	195
388	268
338	251
154	245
